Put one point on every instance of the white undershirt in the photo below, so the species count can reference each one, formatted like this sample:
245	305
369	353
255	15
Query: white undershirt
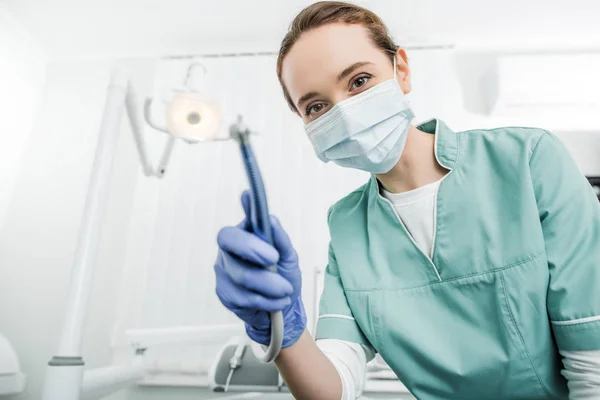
416	209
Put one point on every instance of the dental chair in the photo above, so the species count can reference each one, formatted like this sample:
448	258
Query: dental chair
237	369
12	381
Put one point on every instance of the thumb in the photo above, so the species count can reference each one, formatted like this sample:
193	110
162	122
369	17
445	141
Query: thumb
282	242
246	205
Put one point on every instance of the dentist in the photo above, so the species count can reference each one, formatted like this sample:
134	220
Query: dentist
470	261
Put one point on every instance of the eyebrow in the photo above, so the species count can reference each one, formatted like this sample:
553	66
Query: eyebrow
347	71
351	69
307	97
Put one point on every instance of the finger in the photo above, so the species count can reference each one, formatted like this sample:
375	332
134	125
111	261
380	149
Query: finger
236	297
258	302
247	246
246	203
282	242
255	279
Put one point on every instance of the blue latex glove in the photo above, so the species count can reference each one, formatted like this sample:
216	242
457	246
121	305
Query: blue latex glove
246	287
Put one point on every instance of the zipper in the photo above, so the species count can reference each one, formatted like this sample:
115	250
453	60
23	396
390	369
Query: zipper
410	236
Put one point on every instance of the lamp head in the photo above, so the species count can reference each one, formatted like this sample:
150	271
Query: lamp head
192	117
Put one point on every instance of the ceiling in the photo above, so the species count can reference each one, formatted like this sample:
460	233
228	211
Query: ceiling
127	28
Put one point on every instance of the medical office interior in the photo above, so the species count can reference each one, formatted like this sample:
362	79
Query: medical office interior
154	327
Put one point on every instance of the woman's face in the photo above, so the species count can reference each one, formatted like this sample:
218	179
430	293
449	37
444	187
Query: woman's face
334	62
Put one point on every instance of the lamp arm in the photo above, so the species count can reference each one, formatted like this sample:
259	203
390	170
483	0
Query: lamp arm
135	121
148	116
164	160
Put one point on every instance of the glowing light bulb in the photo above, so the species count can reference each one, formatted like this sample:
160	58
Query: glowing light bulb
193	117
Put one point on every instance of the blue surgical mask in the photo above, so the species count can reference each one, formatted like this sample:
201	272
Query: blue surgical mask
367	131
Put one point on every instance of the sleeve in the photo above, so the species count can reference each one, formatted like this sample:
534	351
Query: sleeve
582	370
336	320
350	361
570	217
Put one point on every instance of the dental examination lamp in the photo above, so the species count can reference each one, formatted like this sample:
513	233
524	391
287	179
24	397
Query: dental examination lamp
193	118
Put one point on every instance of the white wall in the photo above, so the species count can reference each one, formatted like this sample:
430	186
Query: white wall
22	74
38	239
437	92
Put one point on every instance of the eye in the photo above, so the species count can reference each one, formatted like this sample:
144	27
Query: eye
314	109
359	82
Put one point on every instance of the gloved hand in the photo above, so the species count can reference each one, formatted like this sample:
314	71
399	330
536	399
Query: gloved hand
246	287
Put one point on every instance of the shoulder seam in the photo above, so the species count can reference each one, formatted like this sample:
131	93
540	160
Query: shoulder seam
537	143
356	191
503	127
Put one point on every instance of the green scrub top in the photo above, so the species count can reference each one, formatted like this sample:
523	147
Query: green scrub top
514	276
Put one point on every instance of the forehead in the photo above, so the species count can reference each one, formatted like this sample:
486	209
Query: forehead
320	54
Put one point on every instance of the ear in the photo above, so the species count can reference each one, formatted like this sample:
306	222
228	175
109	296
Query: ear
403	71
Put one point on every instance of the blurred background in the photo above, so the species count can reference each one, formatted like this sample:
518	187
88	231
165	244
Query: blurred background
475	64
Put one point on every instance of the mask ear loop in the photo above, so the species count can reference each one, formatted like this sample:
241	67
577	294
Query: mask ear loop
395	67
